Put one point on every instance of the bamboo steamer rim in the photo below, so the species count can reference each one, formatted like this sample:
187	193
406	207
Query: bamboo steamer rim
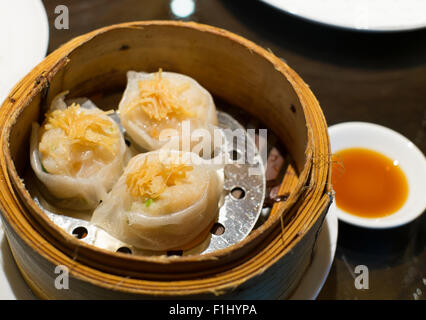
279	66
21	223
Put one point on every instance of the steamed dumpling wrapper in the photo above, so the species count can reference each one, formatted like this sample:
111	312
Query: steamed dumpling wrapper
161	202
154	103
78	153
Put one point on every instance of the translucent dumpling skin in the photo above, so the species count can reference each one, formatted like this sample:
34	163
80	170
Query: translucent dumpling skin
161	205
154	104
78	153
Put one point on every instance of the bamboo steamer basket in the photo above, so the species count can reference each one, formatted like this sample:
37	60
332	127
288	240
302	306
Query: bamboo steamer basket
268	264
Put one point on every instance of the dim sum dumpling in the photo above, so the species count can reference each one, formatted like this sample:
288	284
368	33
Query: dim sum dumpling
78	153
153	102
161	203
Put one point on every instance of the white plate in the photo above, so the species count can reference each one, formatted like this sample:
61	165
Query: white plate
314	278
13	287
398	148
24	37
368	15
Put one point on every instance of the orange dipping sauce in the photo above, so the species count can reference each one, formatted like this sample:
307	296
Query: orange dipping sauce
367	183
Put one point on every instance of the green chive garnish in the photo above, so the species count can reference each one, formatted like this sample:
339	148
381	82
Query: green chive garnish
43	168
148	202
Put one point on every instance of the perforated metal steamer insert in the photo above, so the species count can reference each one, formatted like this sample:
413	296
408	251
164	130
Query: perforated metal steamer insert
244	194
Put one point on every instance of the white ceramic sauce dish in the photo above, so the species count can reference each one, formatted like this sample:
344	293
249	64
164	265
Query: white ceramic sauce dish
396	147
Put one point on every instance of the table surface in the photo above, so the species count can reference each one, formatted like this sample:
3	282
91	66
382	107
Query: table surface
371	77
